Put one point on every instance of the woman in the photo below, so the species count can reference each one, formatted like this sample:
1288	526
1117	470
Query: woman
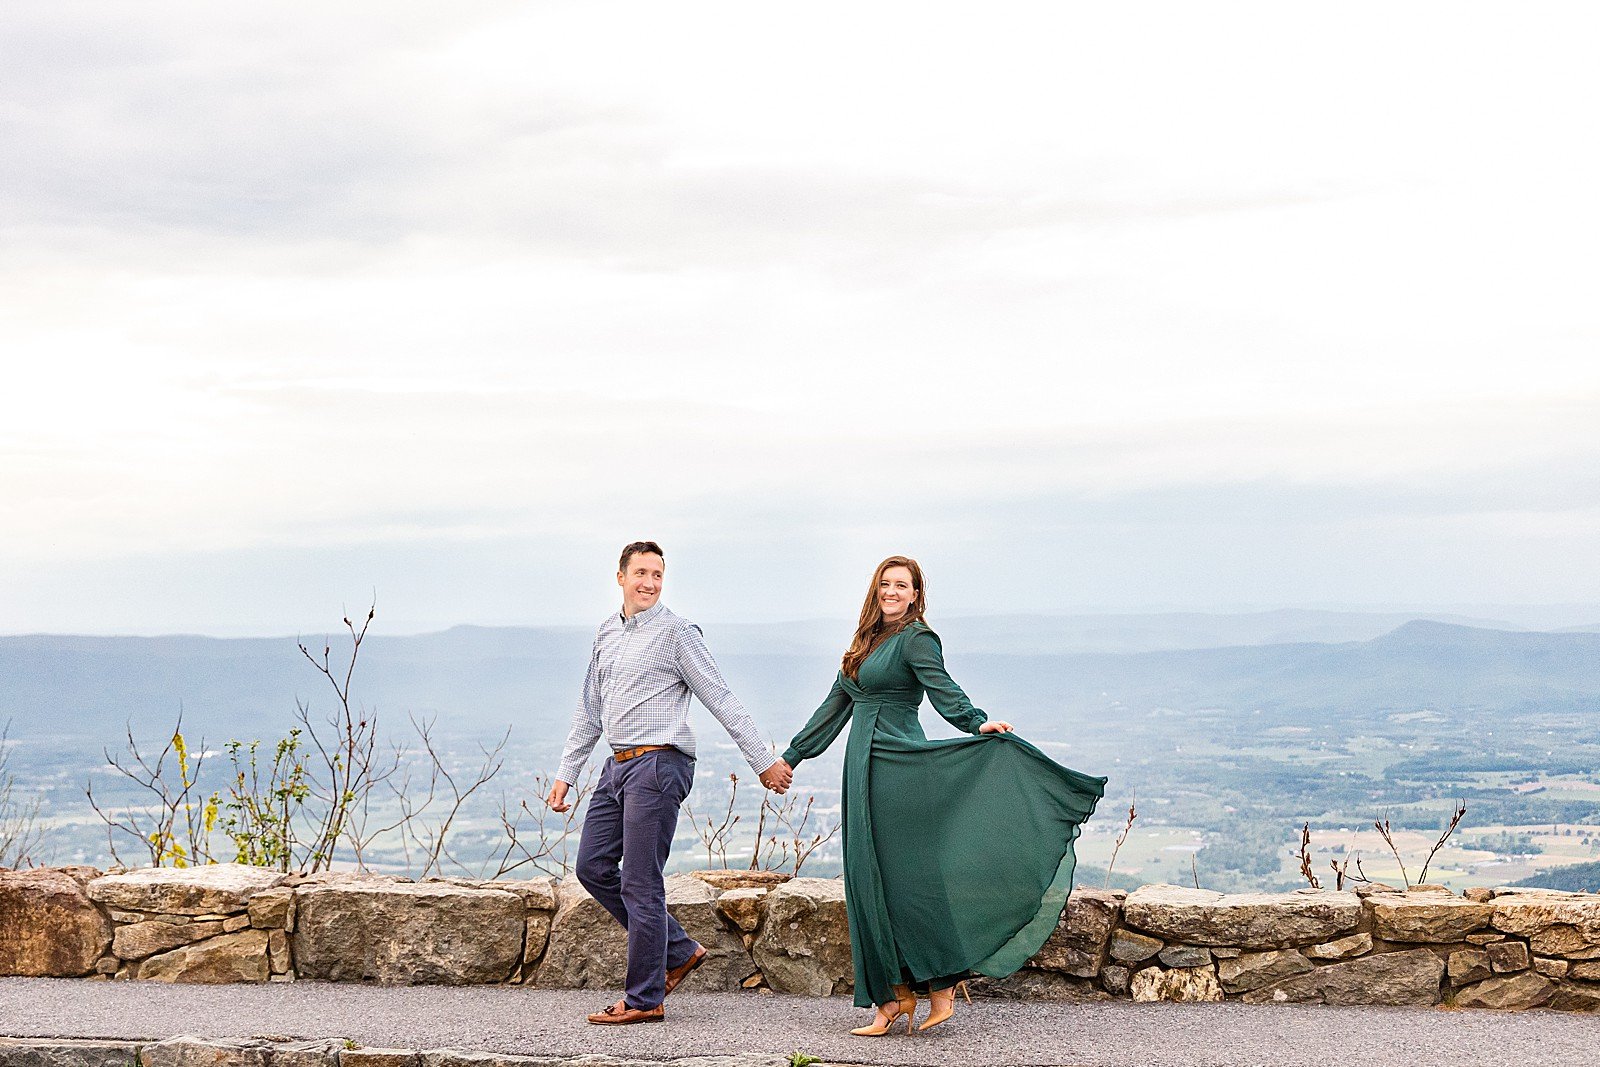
958	852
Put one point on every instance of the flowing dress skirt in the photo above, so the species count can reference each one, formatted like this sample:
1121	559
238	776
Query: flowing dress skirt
958	853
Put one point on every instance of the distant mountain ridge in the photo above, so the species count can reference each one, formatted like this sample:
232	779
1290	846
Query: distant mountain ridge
481	678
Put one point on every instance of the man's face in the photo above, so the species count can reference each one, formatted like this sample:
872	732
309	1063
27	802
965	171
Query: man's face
641	582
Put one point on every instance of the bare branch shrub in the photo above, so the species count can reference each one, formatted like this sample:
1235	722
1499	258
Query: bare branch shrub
545	847
332	790
1341	871
714	835
798	838
171	827
431	838
1382	826
351	766
20	832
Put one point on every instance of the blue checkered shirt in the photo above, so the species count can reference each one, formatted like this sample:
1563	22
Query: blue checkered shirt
641	674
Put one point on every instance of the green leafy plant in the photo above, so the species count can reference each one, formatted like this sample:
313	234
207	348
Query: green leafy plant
800	1059
259	816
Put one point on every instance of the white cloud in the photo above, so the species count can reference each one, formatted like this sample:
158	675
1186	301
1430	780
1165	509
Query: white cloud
359	275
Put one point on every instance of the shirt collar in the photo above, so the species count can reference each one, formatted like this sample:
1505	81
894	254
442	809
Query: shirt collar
644	617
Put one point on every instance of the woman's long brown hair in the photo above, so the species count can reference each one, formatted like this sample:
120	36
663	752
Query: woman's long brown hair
873	630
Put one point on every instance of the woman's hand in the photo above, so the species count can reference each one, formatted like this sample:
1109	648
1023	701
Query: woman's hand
995	726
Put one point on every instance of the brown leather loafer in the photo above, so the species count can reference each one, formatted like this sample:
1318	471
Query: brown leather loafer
619	1014
681	971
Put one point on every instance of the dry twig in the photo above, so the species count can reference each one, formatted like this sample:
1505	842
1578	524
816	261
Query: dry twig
1305	858
1133	813
1455	821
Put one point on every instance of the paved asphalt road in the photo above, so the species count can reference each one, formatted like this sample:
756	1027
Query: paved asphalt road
989	1033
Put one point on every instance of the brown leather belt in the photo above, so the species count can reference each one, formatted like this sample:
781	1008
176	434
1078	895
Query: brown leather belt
628	753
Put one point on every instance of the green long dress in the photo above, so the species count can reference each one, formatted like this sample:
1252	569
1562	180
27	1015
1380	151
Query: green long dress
958	852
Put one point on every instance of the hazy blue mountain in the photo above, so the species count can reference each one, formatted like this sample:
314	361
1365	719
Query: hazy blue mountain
477	678
1056	634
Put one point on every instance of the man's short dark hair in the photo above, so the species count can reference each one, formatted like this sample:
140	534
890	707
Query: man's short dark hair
637	547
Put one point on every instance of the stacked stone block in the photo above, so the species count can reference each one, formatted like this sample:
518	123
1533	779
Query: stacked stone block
1499	948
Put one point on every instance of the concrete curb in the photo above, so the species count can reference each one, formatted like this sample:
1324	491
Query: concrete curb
189	1051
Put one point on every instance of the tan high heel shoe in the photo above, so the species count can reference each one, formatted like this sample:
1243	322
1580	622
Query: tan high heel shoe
942	1005
905	1007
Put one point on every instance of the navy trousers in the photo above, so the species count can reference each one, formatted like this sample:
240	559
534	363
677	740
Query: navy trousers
632	817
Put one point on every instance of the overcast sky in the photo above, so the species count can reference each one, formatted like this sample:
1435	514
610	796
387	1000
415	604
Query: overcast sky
1085	305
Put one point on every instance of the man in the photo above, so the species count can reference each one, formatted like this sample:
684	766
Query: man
645	665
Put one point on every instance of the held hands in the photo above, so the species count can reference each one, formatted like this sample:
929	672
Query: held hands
558	797
778	777
995	726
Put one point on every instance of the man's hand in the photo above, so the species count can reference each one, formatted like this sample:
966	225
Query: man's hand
558	797
778	777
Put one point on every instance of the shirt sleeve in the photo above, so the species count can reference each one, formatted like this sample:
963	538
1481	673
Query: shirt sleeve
826	722
924	654
700	674
586	727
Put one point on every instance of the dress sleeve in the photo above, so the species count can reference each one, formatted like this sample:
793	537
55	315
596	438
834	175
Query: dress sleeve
826	722
924	654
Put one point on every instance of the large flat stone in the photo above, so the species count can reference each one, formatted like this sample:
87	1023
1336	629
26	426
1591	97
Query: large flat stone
1253	970
48	927
1342	949
1515	992
407	933
721	881
66	1052
135	941
1430	917
538	894
587	948
804	946
188	1050
240	957
1130	946
214	889
1077	946
1247	920
1407	977
1468	965
1576	996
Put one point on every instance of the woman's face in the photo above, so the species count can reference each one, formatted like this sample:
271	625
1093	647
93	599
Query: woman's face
895	593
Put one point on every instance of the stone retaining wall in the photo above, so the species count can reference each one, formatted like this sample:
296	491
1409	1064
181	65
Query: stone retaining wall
1493	948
